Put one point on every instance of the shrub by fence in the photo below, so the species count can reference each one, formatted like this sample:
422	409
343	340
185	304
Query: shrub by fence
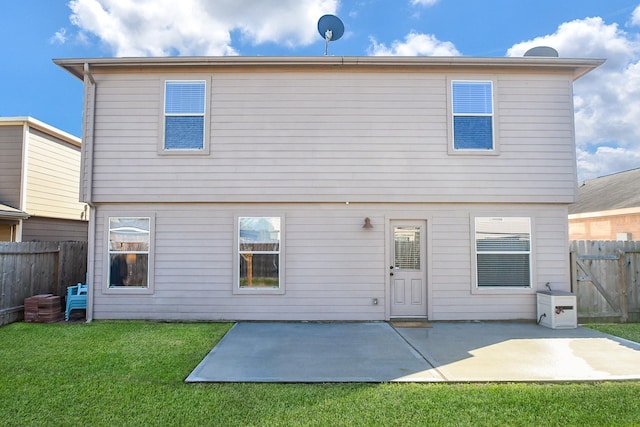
605	276
33	268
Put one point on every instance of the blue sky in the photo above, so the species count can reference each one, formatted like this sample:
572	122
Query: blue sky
607	101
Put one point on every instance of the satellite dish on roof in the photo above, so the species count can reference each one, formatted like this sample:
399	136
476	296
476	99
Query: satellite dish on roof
542	51
331	29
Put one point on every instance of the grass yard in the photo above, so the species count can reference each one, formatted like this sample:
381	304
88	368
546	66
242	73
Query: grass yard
630	331
131	374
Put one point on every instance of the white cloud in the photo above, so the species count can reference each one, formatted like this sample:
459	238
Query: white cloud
196	27
60	36
414	45
635	16
607	100
605	161
423	2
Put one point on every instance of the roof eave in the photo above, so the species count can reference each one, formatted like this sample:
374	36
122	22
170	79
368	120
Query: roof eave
7	212
579	67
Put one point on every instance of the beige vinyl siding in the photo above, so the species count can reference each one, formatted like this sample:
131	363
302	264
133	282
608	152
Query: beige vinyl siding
11	165
327	136
193	267
334	268
536	126
53	178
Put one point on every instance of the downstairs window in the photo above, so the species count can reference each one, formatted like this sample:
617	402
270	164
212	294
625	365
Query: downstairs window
503	252
129	243
259	254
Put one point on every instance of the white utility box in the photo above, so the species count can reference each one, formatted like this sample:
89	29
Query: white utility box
557	310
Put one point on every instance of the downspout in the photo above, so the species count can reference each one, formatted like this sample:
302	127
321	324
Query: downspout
87	144
88	133
24	172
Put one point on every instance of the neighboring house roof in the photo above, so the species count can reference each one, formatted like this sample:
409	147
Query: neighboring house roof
7	212
616	192
41	126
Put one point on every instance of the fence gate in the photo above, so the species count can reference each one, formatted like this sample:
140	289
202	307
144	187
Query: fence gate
604	276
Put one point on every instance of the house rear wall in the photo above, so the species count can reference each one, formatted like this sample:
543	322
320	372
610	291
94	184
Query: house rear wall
333	267
331	136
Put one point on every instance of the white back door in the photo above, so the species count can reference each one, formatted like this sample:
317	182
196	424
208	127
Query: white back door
407	269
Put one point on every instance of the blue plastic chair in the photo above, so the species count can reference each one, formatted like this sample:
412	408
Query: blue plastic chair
76	299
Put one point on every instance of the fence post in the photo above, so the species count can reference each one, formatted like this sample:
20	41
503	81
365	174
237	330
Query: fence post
573	269
622	270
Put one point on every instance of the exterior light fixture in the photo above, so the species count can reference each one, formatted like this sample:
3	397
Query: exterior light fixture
367	223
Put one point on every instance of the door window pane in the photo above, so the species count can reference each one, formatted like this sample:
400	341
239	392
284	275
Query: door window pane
407	247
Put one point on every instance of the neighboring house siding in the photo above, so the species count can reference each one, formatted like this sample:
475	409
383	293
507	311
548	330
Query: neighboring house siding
53	178
334	268
52	229
605	227
11	164
325	136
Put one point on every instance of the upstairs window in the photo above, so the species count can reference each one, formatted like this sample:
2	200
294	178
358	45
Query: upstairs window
472	107
184	114
503	252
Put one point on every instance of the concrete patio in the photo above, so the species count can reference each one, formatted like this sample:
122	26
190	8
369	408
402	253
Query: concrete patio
312	352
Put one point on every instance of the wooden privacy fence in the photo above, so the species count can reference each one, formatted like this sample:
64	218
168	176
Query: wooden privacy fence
33	268
605	276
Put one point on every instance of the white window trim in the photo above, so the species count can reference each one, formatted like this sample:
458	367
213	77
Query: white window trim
501	290
205	150
450	139
124	290
236	289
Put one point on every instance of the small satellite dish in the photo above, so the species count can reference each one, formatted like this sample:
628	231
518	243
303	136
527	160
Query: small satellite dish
542	51
331	29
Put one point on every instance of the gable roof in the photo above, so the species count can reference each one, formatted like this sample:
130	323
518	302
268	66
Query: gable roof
575	67
607	193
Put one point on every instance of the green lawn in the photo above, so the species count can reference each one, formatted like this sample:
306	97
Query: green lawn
131	374
630	331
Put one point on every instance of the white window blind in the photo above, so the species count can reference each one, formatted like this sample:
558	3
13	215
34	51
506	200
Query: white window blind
184	111
503	252
472	115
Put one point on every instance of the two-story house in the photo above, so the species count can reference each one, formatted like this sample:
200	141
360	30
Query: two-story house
326	188
39	183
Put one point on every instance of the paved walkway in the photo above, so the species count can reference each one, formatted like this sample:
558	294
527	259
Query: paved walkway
448	351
